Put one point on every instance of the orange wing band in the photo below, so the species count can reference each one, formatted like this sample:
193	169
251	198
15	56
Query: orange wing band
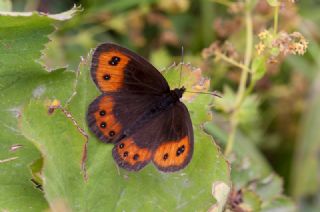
172	153
110	70
129	152
105	119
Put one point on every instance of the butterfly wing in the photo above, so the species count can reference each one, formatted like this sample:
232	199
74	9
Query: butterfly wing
175	149
166	139
129	84
117	69
111	114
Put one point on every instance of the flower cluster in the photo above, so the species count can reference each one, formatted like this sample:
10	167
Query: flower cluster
282	43
293	43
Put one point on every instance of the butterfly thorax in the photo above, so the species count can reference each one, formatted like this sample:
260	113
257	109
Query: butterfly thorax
177	93
166	101
169	99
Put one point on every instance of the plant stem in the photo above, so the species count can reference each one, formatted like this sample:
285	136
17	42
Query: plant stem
225	58
247	59
231	137
243	80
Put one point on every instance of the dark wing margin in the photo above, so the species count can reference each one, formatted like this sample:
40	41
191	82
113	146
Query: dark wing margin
115	68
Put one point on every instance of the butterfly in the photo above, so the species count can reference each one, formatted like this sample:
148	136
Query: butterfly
138	113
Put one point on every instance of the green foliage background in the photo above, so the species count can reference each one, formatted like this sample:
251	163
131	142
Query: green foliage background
275	158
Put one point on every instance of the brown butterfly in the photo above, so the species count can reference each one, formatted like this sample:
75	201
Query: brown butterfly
138	112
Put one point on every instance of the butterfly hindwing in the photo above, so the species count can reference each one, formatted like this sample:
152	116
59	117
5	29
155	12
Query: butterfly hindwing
130	156
111	114
159	140
101	118
174	151
116	69
140	144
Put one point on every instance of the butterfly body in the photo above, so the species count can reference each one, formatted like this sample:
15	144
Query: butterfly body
165	102
138	113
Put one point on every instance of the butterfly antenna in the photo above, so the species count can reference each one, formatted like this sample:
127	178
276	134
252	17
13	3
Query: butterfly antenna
214	93
181	64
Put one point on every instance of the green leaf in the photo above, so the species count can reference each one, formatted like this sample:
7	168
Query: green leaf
258	67
248	112
61	144
36	168
248	164
279	204
226	103
251	201
252	174
22	38
269	187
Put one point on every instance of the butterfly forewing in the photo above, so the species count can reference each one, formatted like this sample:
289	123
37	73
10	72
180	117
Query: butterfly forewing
129	85
117	69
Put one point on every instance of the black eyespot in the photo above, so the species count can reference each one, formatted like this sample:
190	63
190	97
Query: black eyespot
135	157
165	156
180	150
125	154
112	133
114	61
106	77
102	113
121	145
103	124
